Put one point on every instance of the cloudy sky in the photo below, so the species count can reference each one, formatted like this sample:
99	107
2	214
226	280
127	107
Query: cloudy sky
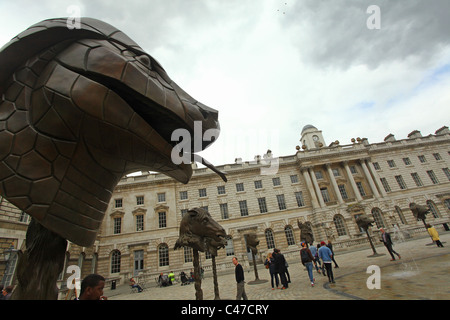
272	66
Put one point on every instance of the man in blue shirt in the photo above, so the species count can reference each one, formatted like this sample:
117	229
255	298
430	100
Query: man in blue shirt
326	255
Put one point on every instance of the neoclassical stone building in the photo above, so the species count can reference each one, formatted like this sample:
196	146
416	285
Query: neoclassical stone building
324	186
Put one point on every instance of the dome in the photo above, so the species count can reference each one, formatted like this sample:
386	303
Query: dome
308	126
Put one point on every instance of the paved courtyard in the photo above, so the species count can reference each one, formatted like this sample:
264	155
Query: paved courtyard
422	273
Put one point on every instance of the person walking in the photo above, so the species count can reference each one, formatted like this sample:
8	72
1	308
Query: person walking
280	267
387	241
314	253
269	263
330	245
240	283
307	259
434	235
326	256
321	265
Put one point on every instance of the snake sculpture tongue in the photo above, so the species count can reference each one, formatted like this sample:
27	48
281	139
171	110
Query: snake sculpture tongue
79	109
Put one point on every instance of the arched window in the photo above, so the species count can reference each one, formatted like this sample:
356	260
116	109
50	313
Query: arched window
434	210
188	254
269	239
400	214
378	217
340	225
115	261
163	253
289	235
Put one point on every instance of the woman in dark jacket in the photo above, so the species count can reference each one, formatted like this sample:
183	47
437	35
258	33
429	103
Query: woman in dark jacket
269	263
280	267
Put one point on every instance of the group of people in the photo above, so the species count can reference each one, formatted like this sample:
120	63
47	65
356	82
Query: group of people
278	268
313	255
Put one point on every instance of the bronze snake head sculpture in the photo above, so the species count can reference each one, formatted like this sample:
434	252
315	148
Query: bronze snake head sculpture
79	109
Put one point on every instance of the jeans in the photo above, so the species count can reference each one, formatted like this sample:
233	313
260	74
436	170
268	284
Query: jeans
274	275
241	291
309	267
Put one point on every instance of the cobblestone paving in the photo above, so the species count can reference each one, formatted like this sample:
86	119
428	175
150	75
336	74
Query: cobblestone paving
422	273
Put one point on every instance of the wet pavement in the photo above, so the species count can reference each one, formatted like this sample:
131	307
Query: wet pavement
422	273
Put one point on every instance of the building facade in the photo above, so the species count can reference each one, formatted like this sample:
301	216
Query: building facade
327	187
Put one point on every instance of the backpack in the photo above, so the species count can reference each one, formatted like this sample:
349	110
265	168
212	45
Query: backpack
304	256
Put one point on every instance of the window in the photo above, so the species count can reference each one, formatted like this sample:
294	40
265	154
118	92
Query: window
229	248
183	195
385	184
437	156
432	177
115	261
162	221
289	235
378	217
318	175
262	205
340	225
118	203
183	212
400	182
400	215
161	197
281	202
336	172
391	163
416	179
117	225
376	165
299	198
24	217
138	261
434	210
188	257
269	239
202	192
342	191
447	173
294	178
422	159
276	181
221	190
406	161
360	189
353	170
239	187
243	208
139	200
258	184
139	222
325	195
163	253
224	210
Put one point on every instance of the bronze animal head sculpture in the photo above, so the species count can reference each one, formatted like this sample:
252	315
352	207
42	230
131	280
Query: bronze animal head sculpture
420	212
79	109
306	233
200	231
364	222
252	242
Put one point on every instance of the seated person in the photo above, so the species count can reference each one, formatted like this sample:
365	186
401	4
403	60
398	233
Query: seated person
184	279
133	284
163	280
171	277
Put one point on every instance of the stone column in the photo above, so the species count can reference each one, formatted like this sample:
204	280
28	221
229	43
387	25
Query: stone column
314	202
377	178
334	183
369	178
316	187
352	181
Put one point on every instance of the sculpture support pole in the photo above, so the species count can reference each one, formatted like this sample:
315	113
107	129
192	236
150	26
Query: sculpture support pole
197	276
254	267
40	265
216	284
370	241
